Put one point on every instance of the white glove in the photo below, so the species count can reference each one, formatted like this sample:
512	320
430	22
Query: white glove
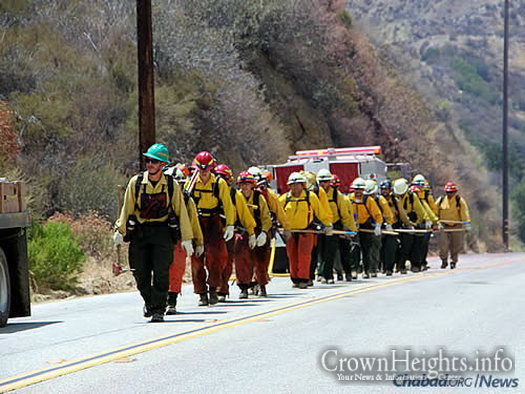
389	227
377	229
188	247
440	227
468	227
199	250
252	241
118	238
428	225
228	234
329	230
261	239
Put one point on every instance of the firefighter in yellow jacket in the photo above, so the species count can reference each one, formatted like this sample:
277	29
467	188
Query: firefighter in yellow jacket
302	208
151	217
342	219
453	216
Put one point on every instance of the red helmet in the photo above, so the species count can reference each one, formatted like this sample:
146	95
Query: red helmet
415	188
223	169
245	177
336	181
451	187
204	161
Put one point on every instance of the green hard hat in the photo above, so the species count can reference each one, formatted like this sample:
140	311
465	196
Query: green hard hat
158	152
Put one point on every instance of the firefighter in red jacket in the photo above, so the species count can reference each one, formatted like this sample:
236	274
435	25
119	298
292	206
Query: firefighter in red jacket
212	198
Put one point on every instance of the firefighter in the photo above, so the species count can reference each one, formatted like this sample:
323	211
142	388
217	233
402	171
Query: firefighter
389	243
245	225
302	208
453	212
212	198
370	220
178	266
328	245
422	188
152	217
411	245
252	257
338	263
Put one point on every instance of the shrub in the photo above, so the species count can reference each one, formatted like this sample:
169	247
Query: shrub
55	258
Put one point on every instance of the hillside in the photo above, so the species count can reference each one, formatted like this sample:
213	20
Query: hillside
251	82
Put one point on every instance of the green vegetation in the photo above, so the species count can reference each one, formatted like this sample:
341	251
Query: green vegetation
469	80
54	256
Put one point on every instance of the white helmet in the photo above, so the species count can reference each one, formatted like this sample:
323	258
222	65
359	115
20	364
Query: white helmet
295	177
324	175
255	171
371	187
419	180
400	186
359	183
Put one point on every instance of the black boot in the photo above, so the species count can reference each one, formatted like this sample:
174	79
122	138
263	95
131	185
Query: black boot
452	265
213	297
172	303
262	291
244	294
444	264
203	301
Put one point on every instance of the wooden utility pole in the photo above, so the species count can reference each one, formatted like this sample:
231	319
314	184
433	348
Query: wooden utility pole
505	142
146	78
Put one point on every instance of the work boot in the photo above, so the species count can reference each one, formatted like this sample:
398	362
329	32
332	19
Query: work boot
146	311
389	273
321	279
374	274
331	281
244	294
303	285
444	264
157	318
172	303
366	275
348	277
203	301
310	283
213	297
415	268
221	297
262	291
340	276
452	265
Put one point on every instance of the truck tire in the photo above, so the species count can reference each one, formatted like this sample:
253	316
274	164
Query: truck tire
5	289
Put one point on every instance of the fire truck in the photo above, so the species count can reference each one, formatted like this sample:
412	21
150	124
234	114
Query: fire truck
346	163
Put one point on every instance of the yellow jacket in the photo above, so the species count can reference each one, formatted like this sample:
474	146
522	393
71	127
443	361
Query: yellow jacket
272	198
264	217
130	204
410	203
425	201
398	212
341	210
243	214
325	205
384	205
371	210
300	212
194	220
208	197
455	209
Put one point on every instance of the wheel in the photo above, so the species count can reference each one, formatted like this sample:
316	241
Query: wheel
5	289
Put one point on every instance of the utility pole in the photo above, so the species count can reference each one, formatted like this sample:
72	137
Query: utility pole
505	163
146	78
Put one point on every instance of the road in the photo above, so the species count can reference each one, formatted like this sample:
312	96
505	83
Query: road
103	344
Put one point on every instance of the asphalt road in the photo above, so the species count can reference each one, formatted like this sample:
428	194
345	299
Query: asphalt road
103	344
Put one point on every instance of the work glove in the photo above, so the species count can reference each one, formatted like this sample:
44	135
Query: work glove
228	234
252	241
377	229
329	230
261	239
440	227
118	238
287	234
389	227
468	227
188	247
428	225
199	250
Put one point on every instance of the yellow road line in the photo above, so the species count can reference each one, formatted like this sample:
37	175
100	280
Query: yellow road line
29	378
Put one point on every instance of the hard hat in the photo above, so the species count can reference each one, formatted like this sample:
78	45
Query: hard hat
255	171
415	188
419	180
184	168
223	169
359	184
158	152
336	181
204	160
311	179
386	184
400	186
371	187
268	175
426	186
180	176
245	177
451	187
324	175
296	177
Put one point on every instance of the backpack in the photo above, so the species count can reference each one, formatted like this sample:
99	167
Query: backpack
138	185
256	211
458	202
215	191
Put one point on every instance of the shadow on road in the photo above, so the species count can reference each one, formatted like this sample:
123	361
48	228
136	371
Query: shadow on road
200	313
22	326
170	320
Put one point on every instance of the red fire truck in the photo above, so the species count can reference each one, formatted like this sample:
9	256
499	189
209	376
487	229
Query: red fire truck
347	163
